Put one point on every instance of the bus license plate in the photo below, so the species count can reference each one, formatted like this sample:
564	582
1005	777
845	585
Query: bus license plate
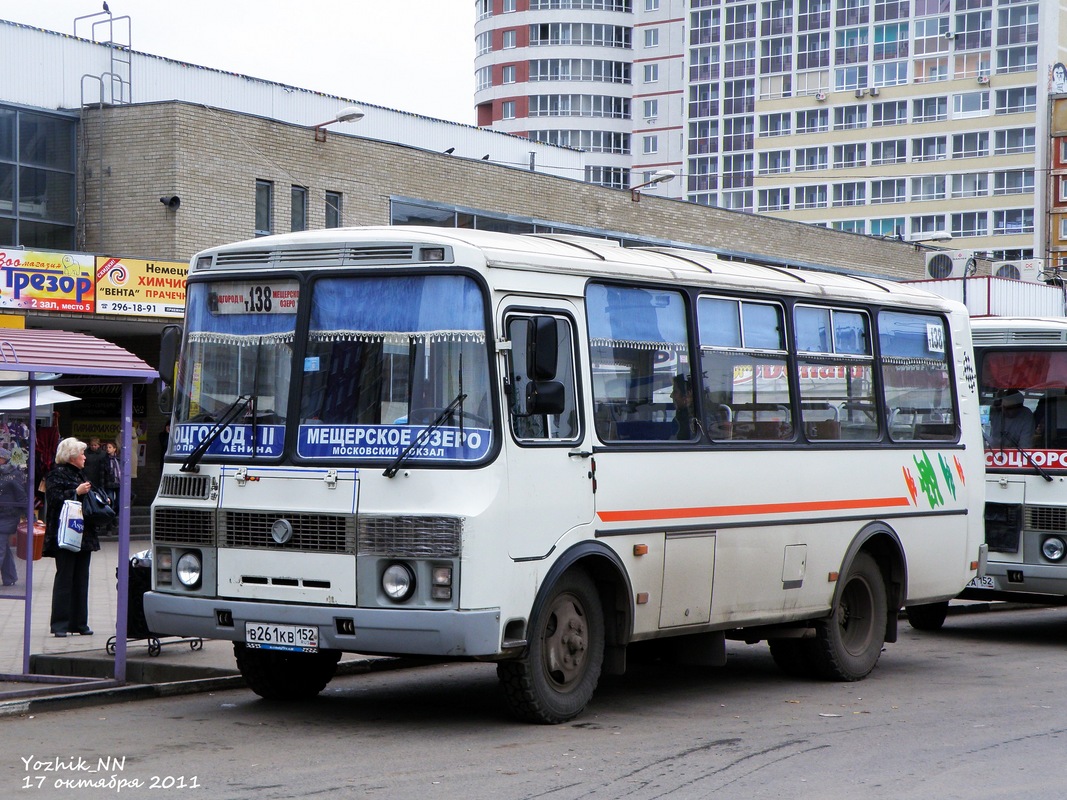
295	638
982	582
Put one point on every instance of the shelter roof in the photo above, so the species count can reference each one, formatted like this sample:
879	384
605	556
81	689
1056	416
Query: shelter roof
71	354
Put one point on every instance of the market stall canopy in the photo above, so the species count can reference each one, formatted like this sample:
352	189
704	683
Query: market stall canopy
72	354
18	399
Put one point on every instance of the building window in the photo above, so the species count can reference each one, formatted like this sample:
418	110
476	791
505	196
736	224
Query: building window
810	158
892	113
509	40
850	194
850	225
509	6
929	148
651	109
811	196
850	117
970	223
651	37
264	208
774	124
774	162
888	191
814	121
507	109
298	210
925	225
1015	181
651	5
651	73
929	109
37	179
970	145
651	144
974	184
1013	220
1017	100
891	151
850	155
508	74
773	199
970	104
1013	140
928	187
887	226
334	215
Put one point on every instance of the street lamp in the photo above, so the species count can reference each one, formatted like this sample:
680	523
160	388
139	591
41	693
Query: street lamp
347	114
660	176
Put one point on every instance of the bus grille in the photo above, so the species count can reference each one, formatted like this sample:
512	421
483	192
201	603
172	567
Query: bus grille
410	537
322	533
1046	518
183	526
196	487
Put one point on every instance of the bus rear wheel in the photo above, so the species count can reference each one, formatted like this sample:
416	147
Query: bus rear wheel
278	675
927	617
556	677
847	645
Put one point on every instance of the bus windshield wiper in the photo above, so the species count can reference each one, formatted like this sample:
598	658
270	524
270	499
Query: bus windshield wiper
229	415
424	434
1026	454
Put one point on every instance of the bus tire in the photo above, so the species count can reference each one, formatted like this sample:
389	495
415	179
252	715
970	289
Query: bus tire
928	616
555	678
278	675
847	644
791	656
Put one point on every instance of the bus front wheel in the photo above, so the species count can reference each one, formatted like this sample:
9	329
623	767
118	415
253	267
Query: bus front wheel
847	644
278	675
556	677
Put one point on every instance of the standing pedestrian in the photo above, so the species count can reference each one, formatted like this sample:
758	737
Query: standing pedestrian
70	592
111	480
95	461
12	509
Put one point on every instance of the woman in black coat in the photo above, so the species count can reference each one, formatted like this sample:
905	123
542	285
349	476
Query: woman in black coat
70	592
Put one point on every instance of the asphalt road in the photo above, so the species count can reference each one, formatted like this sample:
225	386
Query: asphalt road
977	711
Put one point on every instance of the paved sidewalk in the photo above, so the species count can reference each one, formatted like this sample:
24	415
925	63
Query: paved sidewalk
78	668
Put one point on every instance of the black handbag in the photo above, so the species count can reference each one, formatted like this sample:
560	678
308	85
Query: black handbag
96	506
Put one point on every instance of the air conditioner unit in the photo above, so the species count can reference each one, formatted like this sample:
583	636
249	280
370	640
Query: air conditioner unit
860	93
1027	270
942	264
950	35
874	91
820	96
983	80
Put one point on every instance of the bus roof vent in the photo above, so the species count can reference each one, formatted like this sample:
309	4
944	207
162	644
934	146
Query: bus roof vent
234	257
382	253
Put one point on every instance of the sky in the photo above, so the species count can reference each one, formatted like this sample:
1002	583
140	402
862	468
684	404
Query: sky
409	55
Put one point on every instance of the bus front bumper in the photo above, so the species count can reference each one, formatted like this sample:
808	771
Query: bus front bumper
375	631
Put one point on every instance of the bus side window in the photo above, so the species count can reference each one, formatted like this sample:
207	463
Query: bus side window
535	389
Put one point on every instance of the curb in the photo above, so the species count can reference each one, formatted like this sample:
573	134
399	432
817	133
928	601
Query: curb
121	694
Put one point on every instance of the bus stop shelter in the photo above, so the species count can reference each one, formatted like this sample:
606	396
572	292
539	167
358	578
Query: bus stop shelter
36	360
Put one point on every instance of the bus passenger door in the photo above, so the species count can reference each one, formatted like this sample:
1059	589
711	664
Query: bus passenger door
549	486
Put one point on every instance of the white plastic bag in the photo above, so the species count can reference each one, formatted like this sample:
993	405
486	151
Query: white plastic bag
71	526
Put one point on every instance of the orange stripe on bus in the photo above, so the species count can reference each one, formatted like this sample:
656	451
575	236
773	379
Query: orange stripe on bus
637	515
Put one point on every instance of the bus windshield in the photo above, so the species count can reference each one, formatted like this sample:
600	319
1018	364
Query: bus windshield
383	358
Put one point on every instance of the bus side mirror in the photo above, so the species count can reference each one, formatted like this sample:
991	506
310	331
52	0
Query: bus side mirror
542	349
170	342
545	397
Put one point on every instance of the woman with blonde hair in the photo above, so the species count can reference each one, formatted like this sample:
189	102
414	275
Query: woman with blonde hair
70	591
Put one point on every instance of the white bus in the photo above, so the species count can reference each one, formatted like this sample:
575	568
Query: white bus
539	450
1022	381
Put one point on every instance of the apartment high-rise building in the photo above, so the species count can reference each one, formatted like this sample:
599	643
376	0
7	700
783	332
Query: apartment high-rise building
912	119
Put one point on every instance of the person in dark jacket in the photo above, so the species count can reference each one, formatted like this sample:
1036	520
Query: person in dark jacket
70	592
95	462
110	481
12	509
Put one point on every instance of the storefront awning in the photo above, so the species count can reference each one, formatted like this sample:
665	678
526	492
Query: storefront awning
19	399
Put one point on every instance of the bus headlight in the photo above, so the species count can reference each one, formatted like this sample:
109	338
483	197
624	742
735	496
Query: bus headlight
188	569
398	582
1053	548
